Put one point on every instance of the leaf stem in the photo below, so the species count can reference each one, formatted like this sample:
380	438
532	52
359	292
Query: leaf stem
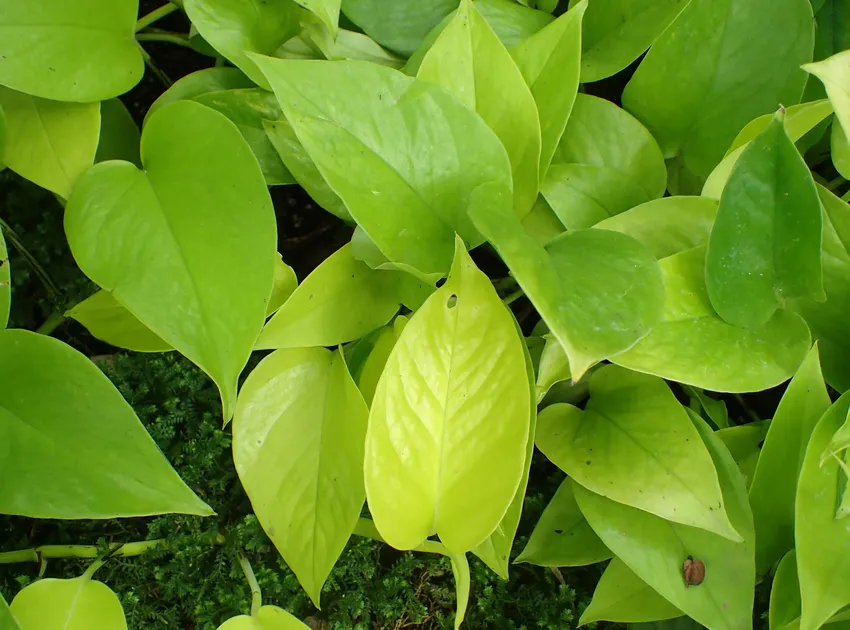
37	554
51	323
366	529
256	593
171	38
752	414
835	183
513	297
156	14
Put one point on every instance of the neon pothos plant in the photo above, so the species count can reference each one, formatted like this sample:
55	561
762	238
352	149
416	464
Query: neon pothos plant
399	380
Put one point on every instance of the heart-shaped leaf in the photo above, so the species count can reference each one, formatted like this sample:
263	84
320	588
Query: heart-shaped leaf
50	604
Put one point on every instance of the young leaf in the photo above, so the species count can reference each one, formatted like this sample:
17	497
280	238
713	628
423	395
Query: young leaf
108	320
621	596
744	443
76	447
666	226
562	536
553	367
47	142
139	234
400	25
285	283
448	430
50	604
267	618
834	73
765	245
606	163
616	32
326	10
460	569
298	436
822	540
549	61
7	621
119	134
656	550
470	62
5	283
693	345
646	455
714	409
403	154
199	83
785	603
775	482
49	49
719	65
598	291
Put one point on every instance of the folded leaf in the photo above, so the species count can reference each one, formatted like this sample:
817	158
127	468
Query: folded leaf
553	367
119	134
50	604
460	569
785	603
326	10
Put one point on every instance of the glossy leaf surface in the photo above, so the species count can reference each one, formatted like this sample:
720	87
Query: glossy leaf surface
765	245
298	436
47	142
202	82
693	345
49	48
512	22
834	73
718	66
553	367
400	25
634	435
5	283
774	488
326	10
448	429
76	604
268	618
129	230
108	320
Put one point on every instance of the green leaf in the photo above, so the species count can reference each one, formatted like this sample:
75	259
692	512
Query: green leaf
692	345
656	549
267	618
743	443
606	163
460	569
326	10
621	596
400	25
47	142
512	22
634	436
108	320
599	291
449	425
715	409
840	150
822	541
285	283
5	283
470	62
834	73
298	435
78	449
785	603
719	65
774	488
553	367
7	621
119	134
236	28
50	604
542	224
403	154
132	230
341	284
347	45
562	536
49	49
666	226
549	61
199	83
765	245
378	345
616	32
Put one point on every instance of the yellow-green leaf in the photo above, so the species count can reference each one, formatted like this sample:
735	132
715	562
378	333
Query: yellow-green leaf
51	604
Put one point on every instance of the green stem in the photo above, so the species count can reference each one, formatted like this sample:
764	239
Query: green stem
752	414
835	183
171	38
256	594
52	323
18	244
513	297
37	554
846	196
156	14
366	529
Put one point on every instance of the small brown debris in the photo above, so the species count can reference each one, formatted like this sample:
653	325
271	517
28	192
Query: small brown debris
694	571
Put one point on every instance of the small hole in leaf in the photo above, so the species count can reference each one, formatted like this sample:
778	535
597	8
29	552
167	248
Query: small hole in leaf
452	301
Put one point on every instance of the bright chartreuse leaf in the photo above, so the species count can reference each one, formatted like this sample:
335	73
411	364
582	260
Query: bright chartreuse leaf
83	51
553	367
765	245
345	44
326	10
119	134
268	618
48	142
5	283
403	154
399	25
108	320
75	604
312	316
774	488
840	150
785	603
621	596
668	225
718	66
549	61
460	570
470	62
449	425
285	283
298	435
656	549
599	291
606	163
822	540
542	224
202	82
302	168
634	436
7	621
834	73
512	22
76	449
799	120
562	536
744	443
236	28
692	345
616	32
162	240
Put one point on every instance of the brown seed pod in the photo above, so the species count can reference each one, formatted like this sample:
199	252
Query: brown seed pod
694	571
